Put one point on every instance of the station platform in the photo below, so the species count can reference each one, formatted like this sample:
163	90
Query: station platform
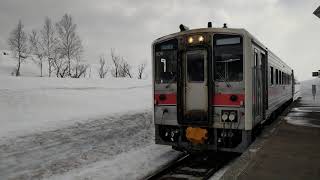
288	149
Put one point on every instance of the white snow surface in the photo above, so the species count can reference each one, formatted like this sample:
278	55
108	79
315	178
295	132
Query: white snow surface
32	104
135	164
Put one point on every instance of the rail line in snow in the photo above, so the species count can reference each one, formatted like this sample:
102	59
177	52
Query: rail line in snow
193	167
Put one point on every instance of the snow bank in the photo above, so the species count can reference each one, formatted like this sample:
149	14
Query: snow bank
135	164
32	104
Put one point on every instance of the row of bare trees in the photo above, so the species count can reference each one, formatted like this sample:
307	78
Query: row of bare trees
56	43
119	67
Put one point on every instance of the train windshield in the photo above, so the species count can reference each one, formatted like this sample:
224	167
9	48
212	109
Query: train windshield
166	62
228	54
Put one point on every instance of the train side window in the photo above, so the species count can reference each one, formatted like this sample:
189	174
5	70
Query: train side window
271	75
280	82
284	78
277	75
290	79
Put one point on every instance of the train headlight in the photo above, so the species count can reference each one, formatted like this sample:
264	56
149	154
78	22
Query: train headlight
190	40
224	116
200	38
232	116
229	115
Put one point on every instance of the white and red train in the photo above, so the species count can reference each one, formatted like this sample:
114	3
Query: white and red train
214	86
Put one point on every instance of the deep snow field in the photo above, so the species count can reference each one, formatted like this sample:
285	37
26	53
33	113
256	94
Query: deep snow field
88	128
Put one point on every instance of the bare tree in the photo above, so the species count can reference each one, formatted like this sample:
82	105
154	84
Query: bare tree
18	45
59	64
103	69
141	69
70	45
49	42
125	69
80	68
121	67
116	61
36	49
61	67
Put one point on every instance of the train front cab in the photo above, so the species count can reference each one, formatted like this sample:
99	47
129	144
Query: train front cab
206	87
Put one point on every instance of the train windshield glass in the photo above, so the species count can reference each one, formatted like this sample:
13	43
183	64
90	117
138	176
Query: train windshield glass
228	54
166	62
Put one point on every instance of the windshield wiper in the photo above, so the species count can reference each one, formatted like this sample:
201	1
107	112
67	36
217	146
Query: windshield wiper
224	80
171	81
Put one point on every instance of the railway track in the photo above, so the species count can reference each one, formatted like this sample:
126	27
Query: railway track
193	167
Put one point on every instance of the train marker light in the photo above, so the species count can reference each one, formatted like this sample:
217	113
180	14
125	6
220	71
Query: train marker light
190	40
200	38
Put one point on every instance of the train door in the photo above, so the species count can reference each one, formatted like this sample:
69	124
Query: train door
196	88
257	87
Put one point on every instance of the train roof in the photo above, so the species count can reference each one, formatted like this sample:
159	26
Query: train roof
240	31
202	30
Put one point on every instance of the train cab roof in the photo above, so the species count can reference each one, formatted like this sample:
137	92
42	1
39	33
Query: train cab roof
239	31
203	30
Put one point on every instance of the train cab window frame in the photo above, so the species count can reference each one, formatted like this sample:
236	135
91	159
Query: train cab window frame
228	58
166	59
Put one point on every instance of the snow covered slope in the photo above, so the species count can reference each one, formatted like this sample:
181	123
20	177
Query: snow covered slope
31	104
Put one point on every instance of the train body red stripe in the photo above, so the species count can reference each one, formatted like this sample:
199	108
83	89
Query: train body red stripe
169	99
217	100
224	100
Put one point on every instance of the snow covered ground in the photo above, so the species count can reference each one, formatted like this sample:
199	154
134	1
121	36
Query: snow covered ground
116	147
32	104
54	128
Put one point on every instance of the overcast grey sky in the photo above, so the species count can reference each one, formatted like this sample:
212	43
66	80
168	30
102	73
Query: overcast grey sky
287	27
